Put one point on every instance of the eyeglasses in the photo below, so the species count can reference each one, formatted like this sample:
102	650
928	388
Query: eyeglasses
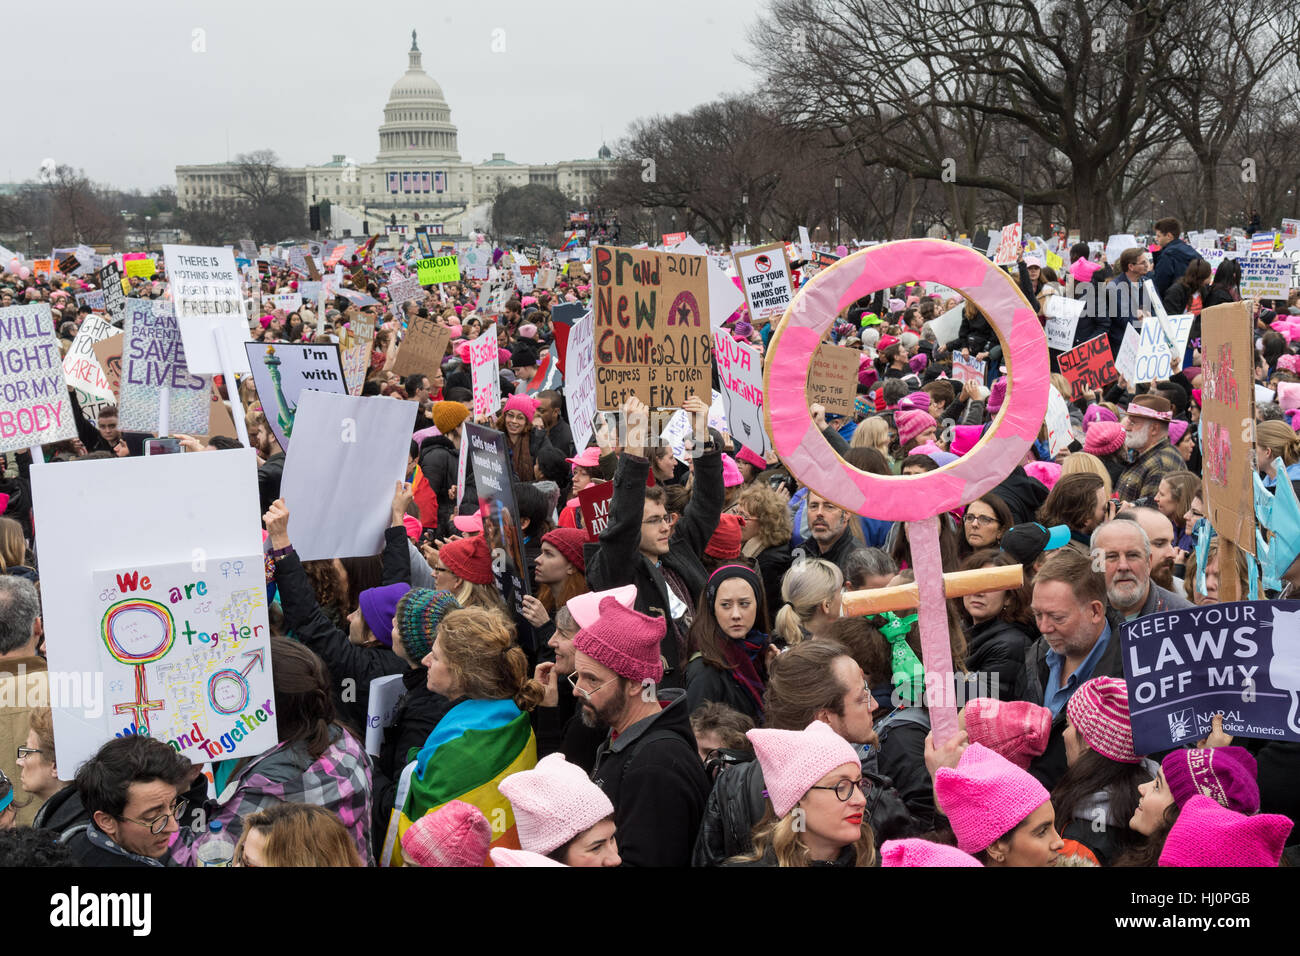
984	520
655	521
844	789
588	694
28	751
159	823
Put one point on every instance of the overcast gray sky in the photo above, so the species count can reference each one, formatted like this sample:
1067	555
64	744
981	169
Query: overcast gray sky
125	97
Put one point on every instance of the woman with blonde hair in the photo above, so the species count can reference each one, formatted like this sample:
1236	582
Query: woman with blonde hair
872	432
295	834
1274	440
813	593
1082	462
13	550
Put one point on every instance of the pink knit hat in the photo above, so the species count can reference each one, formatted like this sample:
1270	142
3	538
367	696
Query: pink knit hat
1227	775
589	457
625	641
1097	413
585	608
1177	429
867	374
997	395
964	438
1048	472
918	400
503	857
1207	834
985	797
794	760
731	475
456	834
911	423
1018	730
1098	712
916	852
1103	438
553	803
751	457
522	404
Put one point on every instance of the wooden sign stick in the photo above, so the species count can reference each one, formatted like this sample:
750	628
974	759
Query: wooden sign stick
905	597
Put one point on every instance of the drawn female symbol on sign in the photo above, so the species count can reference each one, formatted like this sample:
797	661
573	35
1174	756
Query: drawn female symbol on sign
138	632
917	500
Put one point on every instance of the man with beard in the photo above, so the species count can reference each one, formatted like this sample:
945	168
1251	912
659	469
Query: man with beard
649	766
1146	435
1160	534
1123	550
830	534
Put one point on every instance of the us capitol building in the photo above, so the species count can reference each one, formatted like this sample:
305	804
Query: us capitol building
417	176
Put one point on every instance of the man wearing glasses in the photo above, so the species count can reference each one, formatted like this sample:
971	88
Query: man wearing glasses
132	791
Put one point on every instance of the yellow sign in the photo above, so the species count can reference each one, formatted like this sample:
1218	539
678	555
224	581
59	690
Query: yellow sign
140	268
438	269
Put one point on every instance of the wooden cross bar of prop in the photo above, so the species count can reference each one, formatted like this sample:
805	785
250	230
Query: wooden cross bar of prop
906	597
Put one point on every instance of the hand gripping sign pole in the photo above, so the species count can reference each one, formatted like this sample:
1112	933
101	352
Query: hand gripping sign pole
917	500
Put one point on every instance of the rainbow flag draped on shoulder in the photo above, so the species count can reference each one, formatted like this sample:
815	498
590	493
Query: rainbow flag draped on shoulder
474	747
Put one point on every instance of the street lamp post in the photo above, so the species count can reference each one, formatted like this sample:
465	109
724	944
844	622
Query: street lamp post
744	218
148	220
1022	153
29	243
838	183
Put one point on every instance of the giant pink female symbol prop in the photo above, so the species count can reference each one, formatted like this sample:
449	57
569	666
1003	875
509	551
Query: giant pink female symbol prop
916	499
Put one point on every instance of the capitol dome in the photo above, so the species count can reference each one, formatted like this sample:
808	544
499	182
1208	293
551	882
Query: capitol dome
417	120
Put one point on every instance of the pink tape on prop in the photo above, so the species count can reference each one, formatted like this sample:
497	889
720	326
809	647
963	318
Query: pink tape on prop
936	651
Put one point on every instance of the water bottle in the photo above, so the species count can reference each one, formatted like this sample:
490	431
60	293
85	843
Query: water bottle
216	848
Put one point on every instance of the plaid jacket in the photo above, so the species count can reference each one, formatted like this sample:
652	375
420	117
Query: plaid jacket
1142	478
338	780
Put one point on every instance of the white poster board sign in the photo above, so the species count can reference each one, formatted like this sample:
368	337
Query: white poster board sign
485	373
580	380
207	301
1062	320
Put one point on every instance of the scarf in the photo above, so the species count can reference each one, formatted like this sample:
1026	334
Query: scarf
745	658
906	672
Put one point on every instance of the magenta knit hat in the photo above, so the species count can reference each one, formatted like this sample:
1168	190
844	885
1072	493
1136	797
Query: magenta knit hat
625	641
503	358
794	760
1097	413
964	438
911	423
553	803
589	457
1177	429
1048	472
867	375
456	834
997	394
731	475
1098	713
751	457
1227	775
1103	438
985	797
1018	730
468	559
585	608
917	400
916	852
504	857
1207	834
522	404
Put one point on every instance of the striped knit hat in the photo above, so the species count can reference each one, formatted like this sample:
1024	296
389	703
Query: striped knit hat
1098	712
625	641
1227	775
419	613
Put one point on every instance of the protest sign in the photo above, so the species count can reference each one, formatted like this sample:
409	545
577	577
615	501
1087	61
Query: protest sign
288	301
724	297
94	299
34	406
1062	320
475	262
423	348
946	326
765	278
359	299
1126	360
805	244
153	359
108	353
355	355
966	369
83	371
403	289
1162	339
42	267
677	429
208	302
580	380
740	371
496	498
594	503
1008	246
140	518
672	238
437	269
1059	435
1227	413
282	371
1290	228
1240	659
485	373
381	707
348	454
110	284
1264	277
1088	367
1116	244
310	292
142	267
652	339
220	421
833	378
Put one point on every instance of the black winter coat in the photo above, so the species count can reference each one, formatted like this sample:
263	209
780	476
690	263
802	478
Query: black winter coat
706	683
439	460
902	759
995	657
654	777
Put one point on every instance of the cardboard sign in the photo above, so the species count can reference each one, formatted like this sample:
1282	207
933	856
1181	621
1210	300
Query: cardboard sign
496	498
347	454
594	501
355	355
740	371
208	302
437	269
283	371
968	369
1228	401
653	339
153	359
110	282
423	348
1008	246
1088	367
42	267
765	278
485	373
833	378
1240	659
108	353
156	645
1062	321
34	406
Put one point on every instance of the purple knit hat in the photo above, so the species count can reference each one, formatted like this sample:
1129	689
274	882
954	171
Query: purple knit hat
1207	834
1097	413
456	834
1227	775
997	394
985	797
916	852
794	760
1098	712
624	640
1103	438
1018	730
911	423
553	803
378	608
